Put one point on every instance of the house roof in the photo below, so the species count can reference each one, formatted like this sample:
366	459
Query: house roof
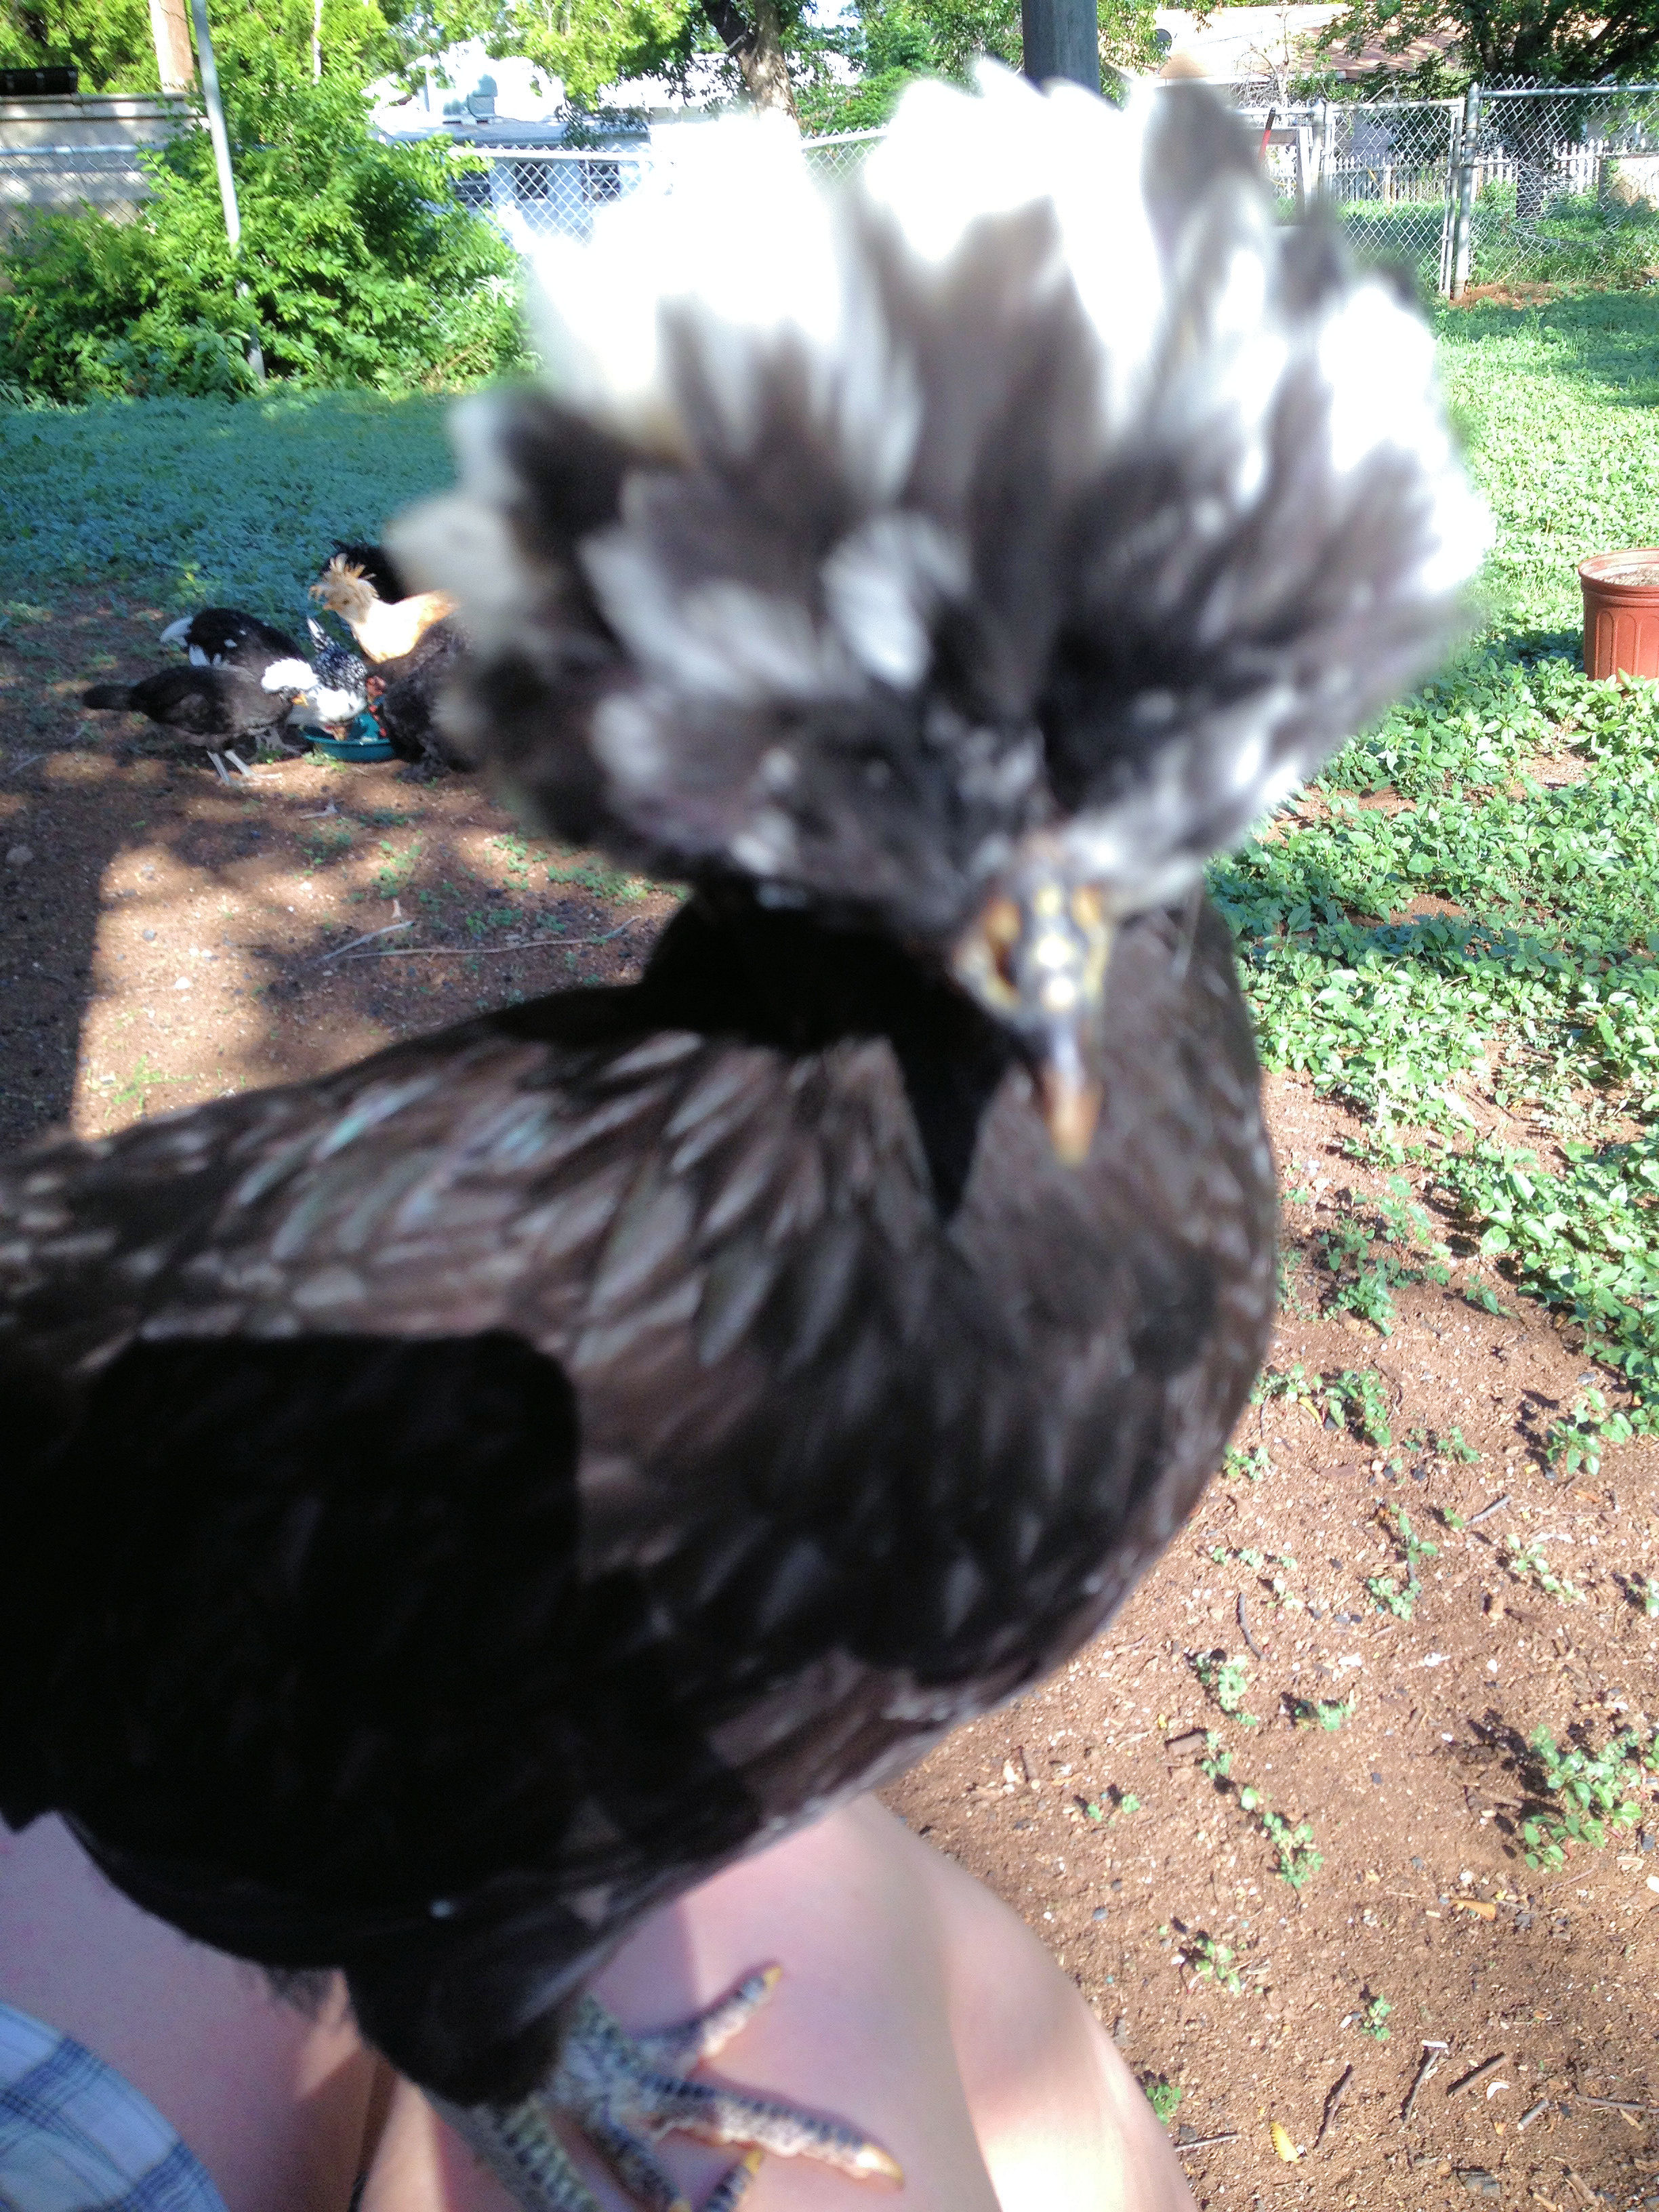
1233	43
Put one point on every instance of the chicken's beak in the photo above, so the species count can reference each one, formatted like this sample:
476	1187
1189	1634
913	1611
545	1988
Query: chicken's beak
1071	1101
1036	957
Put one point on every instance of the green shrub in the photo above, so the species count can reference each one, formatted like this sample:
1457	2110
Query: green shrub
358	266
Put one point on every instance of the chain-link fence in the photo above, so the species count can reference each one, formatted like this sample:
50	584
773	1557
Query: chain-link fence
1560	186
1382	167
1541	186
1510	187
547	190
60	179
1501	187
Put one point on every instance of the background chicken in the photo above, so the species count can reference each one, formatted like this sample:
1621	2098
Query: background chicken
385	630
216	708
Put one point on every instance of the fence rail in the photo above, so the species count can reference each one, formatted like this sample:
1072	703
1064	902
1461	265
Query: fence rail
1501	187
63	178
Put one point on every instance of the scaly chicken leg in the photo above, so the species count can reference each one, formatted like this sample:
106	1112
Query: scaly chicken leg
625	2092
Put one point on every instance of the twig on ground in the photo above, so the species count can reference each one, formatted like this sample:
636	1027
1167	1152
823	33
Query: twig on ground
1432	2055
1205	2143
1611	2103
14	766
1338	2091
1485	1512
367	937
1244	1628
1475	2074
1534	2112
477	951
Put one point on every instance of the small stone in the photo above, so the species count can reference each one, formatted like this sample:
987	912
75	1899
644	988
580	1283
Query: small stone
1099	1912
19	856
149	937
1479	2182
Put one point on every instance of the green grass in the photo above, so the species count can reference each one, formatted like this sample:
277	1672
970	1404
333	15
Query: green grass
1227	1681
1387	1592
1372	2019
199	500
1557	403
1533	975
1578	1794
1573	240
1162	2094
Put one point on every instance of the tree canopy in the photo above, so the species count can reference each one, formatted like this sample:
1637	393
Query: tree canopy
266	41
1553	41
845	75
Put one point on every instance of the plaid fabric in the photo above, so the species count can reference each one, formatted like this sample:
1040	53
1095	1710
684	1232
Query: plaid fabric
76	2137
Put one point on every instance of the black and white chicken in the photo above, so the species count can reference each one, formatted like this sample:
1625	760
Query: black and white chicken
216	708
331	686
226	637
455	1505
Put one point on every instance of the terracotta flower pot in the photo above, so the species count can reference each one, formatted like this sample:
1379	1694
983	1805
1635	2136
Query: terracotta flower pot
1621	613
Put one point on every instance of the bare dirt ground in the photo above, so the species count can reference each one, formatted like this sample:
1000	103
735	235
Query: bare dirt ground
167	939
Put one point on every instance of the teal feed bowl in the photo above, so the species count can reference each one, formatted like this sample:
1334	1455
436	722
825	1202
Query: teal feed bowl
363	741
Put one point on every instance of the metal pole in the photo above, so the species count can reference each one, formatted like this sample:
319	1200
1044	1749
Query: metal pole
1327	148
1463	221
221	137
1061	38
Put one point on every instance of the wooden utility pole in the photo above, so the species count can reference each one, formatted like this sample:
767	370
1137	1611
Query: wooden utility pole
175	64
1061	38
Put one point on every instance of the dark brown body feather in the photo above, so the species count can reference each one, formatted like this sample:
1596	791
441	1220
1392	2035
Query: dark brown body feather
457	1503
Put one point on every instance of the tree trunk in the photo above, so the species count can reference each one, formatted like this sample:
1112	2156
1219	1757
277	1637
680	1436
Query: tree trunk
758	49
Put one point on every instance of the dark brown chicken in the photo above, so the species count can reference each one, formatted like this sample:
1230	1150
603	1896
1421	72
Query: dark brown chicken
455	1505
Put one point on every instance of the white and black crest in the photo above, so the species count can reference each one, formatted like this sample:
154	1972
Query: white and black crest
1038	482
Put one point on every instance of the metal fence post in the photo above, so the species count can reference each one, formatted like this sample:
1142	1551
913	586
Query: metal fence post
1462	239
1448	206
1061	38
221	137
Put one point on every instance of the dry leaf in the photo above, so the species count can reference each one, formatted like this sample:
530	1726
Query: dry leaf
1474	1904
1282	2143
